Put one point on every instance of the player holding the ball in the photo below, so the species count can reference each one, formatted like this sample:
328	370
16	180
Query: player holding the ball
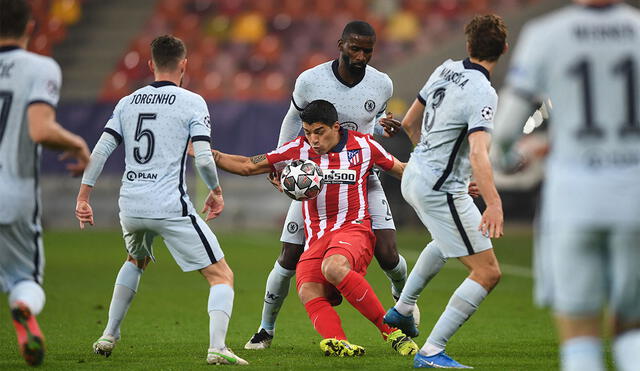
337	225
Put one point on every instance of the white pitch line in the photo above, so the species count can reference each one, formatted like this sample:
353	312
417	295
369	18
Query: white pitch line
508	269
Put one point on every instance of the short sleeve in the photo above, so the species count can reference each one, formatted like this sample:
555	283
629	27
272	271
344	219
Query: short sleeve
200	123
47	81
281	156
299	98
527	64
481	110
114	124
422	94
379	155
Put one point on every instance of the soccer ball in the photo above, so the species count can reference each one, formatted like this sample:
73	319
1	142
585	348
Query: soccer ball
302	180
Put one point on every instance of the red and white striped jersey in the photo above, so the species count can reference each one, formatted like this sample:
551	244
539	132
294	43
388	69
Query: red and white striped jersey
343	199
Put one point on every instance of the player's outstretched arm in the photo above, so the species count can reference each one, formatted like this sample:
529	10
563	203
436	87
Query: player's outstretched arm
242	165
412	120
492	218
44	129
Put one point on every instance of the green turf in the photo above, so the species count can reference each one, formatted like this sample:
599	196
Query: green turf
167	325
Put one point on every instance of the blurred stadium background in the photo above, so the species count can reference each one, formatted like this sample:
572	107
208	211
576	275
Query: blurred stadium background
244	56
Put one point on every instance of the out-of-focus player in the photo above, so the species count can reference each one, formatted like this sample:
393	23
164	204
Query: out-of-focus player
359	93
155	123
450	123
29	93
337	225
588	240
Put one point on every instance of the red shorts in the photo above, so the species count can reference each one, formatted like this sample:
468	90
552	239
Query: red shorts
353	241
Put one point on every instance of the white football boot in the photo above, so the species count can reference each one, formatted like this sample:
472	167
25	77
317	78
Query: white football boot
104	345
224	356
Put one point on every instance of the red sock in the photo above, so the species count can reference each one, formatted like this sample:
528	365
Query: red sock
360	294
325	319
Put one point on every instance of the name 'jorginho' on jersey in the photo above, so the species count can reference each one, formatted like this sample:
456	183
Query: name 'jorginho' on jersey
155	124
459	100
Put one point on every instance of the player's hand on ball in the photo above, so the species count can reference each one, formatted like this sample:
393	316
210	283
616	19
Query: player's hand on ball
274	179
213	205
390	125
84	213
474	191
492	222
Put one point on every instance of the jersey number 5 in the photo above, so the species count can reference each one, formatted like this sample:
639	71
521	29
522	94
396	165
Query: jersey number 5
142	133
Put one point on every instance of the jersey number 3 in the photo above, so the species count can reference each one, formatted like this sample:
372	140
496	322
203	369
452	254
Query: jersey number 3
144	133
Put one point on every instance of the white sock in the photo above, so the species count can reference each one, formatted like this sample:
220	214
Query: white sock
582	353
397	276
29	293
463	303
429	349
276	291
125	289
220	306
626	350
428	265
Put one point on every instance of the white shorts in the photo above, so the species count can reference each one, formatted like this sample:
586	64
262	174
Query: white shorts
579	270
452	219
381	217
188	238
21	252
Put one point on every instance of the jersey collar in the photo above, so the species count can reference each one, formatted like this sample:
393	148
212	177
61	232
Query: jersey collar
8	48
159	84
334	67
474	66
344	134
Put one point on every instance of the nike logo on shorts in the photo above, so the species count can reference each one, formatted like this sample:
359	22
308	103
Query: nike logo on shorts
346	243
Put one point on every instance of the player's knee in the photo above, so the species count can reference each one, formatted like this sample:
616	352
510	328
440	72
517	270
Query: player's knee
386	251
289	255
490	276
335	268
140	263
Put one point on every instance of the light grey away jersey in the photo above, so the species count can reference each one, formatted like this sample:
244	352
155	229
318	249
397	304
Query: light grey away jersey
459	100
25	78
590	69
155	123
357	104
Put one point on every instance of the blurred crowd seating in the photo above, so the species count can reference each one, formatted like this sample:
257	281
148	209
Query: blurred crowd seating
52	17
254	49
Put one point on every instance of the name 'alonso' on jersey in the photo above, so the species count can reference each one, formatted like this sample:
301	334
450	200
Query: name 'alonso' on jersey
358	104
156	123
343	199
459	100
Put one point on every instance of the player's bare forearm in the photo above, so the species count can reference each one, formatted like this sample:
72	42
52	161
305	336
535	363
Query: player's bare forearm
45	130
492	218
242	165
85	193
398	168
412	120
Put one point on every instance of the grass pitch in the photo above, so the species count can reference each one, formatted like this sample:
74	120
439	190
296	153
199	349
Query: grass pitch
167	325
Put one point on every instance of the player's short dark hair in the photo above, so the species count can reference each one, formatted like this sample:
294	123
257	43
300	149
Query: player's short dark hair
319	111
486	37
360	28
14	15
167	51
